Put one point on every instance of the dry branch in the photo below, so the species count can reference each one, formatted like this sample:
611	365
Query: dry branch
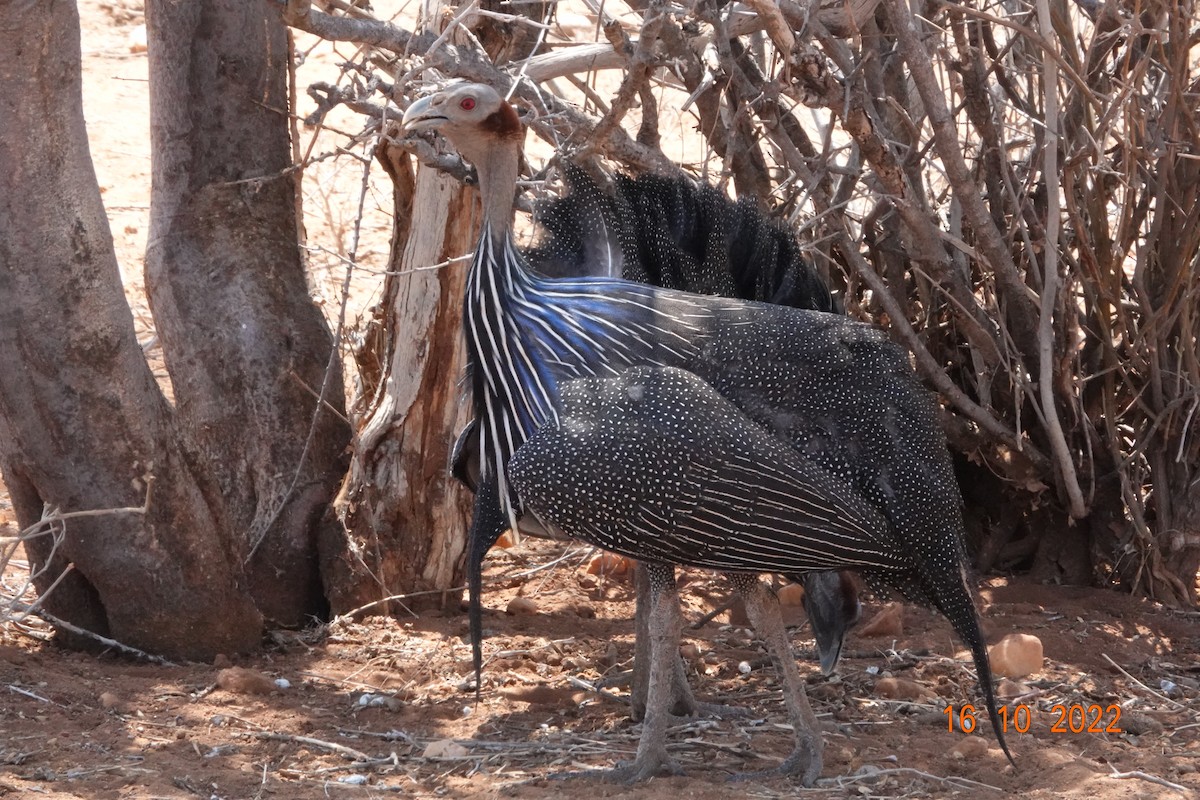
1006	201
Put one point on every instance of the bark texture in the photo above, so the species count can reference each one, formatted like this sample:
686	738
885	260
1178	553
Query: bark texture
247	351
83	424
404	511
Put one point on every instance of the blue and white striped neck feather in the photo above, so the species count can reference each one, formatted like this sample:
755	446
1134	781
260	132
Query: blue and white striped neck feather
525	333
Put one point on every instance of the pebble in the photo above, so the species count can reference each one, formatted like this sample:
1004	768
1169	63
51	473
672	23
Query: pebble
969	748
109	700
791	595
506	540
888	622
372	700
1137	724
240	680
609	659
444	748
137	39
900	689
737	614
612	565
520	606
1016	655
1008	689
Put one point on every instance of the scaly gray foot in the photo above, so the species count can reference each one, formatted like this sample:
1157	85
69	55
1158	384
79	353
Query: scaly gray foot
804	763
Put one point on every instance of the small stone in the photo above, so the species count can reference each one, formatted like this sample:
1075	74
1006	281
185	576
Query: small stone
444	748
969	748
240	680
611	565
539	695
900	689
791	595
737	614
1137	724
827	691
506	541
1007	689
609	659
521	606
1016	655
372	700
888	622
137	39
109	700
745	668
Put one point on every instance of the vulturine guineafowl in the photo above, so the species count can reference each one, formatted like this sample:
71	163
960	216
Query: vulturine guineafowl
819	448
679	234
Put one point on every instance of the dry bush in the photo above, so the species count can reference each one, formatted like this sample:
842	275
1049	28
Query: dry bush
1010	189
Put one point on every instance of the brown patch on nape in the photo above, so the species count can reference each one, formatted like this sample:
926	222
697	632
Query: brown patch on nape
503	123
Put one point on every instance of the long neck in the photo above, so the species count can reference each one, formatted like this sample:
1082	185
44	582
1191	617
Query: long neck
497	168
515	394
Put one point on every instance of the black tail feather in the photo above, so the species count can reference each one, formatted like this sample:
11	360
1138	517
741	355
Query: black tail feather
952	599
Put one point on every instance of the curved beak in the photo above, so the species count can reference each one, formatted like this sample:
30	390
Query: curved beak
422	115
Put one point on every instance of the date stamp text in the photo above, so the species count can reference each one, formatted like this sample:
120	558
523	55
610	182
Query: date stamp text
1065	718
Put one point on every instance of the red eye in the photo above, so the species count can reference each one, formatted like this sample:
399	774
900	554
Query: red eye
467	103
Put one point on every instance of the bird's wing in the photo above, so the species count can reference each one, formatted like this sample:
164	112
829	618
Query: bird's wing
654	463
846	398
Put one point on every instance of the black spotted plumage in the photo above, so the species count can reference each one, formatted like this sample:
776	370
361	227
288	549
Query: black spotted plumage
830	401
724	494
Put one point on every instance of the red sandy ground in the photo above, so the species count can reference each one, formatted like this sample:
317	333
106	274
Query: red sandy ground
82	726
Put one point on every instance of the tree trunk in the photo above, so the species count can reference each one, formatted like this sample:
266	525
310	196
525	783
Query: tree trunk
83	424
408	516
247	351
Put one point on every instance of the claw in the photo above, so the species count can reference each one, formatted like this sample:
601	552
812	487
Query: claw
647	765
804	763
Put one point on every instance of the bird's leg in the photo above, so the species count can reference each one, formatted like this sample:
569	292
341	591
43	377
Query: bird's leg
682	702
664	622
762	606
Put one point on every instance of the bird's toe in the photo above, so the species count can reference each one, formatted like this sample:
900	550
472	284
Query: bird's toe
647	765
804	763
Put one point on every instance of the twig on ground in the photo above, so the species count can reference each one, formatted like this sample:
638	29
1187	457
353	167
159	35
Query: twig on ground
1138	774
333	747
1146	688
869	773
594	689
